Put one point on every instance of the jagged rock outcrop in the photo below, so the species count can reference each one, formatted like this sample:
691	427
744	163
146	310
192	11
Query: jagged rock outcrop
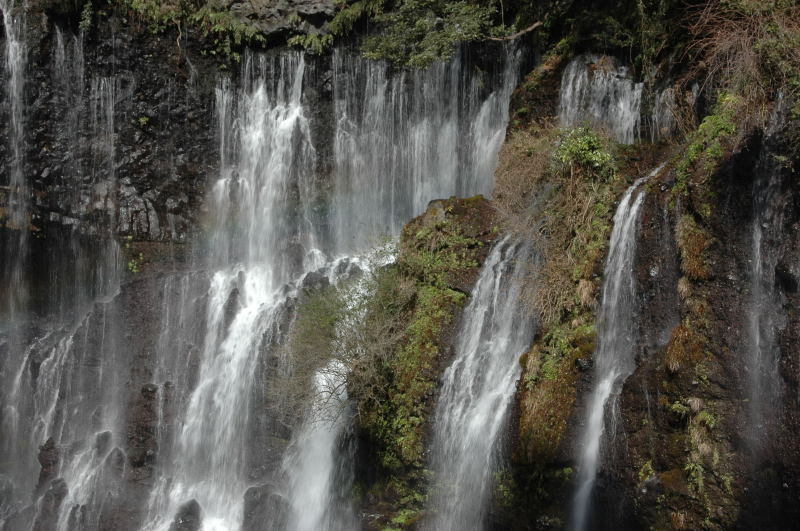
269	16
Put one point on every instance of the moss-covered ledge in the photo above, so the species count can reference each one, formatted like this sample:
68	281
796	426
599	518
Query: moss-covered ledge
439	258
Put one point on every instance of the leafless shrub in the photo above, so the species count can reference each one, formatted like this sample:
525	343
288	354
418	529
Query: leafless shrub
339	341
749	48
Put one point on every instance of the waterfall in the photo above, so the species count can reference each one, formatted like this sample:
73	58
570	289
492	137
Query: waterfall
13	246
477	389
61	392
14	194
764	312
597	90
614	356
204	439
318	466
662	119
269	234
405	138
259	245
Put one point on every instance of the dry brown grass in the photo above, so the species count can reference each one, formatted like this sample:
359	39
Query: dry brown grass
749	48
684	288
685	348
678	519
563	212
522	171
693	242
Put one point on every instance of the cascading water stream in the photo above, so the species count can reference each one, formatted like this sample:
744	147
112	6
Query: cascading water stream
614	356
14	196
61	394
597	90
214	439
477	389
404	139
265	152
318	465
13	246
269	235
765	314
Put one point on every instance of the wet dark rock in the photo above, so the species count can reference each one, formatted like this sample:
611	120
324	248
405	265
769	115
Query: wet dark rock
142	440
315	281
231	307
786	279
263	504
115	462
102	442
270	16
50	505
583	364
188	517
48	459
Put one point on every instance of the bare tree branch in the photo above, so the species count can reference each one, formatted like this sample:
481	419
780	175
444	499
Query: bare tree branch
517	34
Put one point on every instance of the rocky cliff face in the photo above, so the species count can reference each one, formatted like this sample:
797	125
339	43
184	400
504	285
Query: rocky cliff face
121	148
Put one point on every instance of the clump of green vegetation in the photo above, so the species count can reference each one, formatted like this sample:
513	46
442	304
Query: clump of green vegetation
136	260
680	409
706	149
419	32
227	33
411	33
135	263
341	24
583	148
695	476
86	17
504	489
646	471
707	419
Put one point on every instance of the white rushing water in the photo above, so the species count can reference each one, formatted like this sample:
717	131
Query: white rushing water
765	313
269	235
477	389
319	463
278	220
265	151
62	388
14	194
614	355
14	247
405	138
597	90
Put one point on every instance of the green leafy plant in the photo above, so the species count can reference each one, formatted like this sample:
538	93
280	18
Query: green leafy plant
583	148
86	17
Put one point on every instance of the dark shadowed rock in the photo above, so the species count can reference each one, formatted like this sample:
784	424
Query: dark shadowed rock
142	440
271	16
50	505
188	517
263	504
102	442
48	459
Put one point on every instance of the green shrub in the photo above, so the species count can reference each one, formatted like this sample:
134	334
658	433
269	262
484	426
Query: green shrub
582	147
